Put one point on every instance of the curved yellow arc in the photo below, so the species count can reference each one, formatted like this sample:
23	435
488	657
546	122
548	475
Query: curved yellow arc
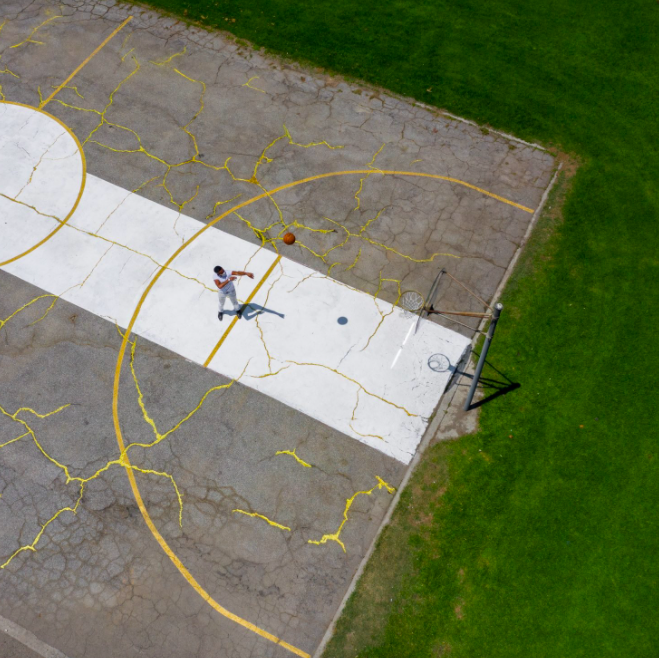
115	398
117	376
82	186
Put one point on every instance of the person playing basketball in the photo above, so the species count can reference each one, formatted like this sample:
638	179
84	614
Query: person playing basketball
224	281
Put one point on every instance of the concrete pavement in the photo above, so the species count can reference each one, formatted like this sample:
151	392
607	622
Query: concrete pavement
242	489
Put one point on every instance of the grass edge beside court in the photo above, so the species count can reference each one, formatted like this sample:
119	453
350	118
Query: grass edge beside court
365	613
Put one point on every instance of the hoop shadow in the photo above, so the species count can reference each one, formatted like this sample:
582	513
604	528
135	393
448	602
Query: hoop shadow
500	387
250	311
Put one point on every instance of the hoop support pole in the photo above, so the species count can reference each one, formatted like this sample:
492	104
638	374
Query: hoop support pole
481	361
431	298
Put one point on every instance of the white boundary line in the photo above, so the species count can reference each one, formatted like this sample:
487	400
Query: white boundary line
432	429
29	639
430	108
534	220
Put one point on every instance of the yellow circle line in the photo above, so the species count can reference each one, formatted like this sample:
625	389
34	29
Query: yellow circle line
122	350
82	187
115	395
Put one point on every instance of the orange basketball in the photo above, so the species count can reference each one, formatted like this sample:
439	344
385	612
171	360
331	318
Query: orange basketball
289	238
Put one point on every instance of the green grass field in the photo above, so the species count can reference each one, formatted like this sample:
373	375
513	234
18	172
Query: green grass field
545	544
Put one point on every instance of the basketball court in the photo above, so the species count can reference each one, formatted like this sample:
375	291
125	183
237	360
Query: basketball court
180	484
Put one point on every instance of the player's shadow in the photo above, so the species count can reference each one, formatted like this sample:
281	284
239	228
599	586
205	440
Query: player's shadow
497	387
250	311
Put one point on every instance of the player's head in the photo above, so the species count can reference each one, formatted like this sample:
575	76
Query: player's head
218	270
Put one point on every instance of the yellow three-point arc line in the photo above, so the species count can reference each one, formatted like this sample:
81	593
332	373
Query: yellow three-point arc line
117	375
122	350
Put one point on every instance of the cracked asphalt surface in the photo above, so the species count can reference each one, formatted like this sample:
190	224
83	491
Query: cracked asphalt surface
192	120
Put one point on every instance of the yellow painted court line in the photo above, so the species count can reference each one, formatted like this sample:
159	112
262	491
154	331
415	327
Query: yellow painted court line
472	187
107	39
122	351
191	579
77	141
233	322
82	186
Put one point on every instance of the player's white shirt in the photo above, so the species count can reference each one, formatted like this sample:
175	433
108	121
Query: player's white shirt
221	278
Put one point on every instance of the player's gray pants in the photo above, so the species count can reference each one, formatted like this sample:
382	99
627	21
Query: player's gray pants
222	298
